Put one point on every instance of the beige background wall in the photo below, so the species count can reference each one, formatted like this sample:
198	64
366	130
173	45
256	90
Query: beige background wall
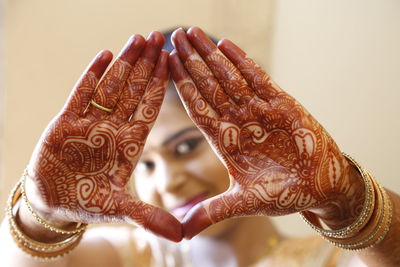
339	58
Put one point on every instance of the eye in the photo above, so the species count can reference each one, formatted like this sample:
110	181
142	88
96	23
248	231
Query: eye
187	146
145	166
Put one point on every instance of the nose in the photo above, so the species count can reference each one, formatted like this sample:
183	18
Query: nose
170	175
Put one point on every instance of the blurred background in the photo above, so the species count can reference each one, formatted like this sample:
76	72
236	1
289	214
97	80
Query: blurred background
340	59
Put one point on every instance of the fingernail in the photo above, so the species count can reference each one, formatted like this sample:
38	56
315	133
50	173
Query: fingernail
150	36
128	44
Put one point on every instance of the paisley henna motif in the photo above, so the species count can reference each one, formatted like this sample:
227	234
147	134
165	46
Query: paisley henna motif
84	160
279	158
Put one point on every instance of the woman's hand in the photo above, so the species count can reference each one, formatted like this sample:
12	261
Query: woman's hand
280	159
81	166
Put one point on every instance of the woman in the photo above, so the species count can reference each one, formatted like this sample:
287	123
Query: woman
279	159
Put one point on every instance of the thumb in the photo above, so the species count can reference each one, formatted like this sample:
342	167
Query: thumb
154	220
211	211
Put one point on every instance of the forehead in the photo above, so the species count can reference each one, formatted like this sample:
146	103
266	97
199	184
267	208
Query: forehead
171	119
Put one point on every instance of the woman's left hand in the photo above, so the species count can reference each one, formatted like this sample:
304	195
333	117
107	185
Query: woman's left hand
279	158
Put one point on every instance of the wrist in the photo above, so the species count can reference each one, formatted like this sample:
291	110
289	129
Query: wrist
41	220
32	238
31	227
36	203
345	206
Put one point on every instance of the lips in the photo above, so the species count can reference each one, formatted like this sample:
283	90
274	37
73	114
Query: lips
181	210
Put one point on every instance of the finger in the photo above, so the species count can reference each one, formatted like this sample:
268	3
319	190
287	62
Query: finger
202	76
139	77
108	91
228	75
211	211
84	88
199	110
150	104
255	76
153	219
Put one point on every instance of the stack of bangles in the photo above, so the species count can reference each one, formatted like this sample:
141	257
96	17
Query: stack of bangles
372	224
36	249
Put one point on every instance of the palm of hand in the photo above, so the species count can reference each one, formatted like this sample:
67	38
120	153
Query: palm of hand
280	159
86	156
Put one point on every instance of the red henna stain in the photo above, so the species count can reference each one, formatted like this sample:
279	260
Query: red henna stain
83	162
279	157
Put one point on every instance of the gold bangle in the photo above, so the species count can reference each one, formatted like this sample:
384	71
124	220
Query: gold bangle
36	249
371	226
46	256
376	230
37	245
80	228
362	219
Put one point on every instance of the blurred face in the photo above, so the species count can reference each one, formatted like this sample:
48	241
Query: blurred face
178	168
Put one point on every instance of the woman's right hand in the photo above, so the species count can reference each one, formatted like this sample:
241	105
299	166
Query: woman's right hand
80	168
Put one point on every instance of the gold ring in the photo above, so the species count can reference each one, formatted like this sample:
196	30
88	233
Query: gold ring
109	110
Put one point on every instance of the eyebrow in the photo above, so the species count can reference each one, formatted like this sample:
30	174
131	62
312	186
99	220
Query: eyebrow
178	134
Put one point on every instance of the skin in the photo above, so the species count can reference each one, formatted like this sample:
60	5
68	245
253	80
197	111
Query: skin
278	159
82	164
239	109
177	164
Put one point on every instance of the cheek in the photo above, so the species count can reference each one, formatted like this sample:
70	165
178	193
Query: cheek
146	191
209	168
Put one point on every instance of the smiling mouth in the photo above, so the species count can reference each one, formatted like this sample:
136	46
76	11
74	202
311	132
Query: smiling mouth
181	210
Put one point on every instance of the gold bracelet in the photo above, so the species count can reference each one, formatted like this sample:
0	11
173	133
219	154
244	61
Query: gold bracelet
368	229
36	249
46	256
52	228
362	219
376	229
36	245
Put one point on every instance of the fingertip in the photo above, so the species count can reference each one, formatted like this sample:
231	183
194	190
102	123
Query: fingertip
178	71
173	56
157	37
175	34
231	51
153	47
105	55
182	44
164	224
195	32
100	63
139	39
195	221
132	48
222	42
201	41
164	56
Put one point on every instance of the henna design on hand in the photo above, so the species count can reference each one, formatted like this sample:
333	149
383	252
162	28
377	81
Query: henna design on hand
279	158
85	158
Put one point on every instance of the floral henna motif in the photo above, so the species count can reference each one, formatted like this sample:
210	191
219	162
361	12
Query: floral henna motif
279	158
82	164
